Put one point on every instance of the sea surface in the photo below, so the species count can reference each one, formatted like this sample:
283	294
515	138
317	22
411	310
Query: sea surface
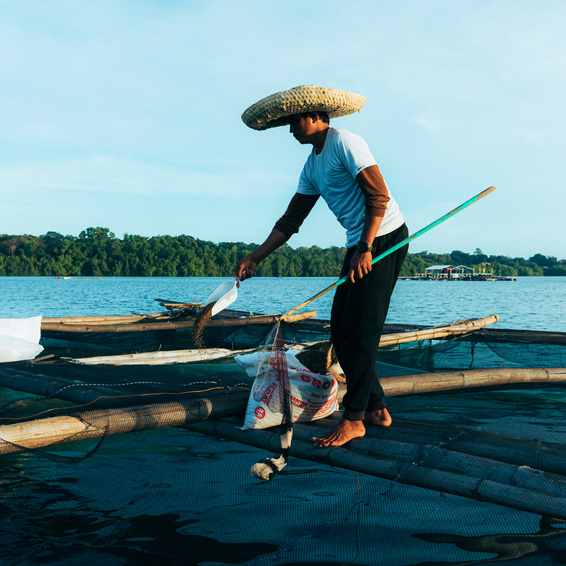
172	496
529	303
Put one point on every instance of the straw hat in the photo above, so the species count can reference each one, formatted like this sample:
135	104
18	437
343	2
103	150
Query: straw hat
271	111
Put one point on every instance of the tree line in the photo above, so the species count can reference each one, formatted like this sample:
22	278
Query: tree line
98	252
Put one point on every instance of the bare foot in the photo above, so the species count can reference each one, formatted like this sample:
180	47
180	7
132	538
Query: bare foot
343	432
380	418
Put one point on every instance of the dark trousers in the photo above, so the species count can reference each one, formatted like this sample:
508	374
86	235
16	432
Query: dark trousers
357	319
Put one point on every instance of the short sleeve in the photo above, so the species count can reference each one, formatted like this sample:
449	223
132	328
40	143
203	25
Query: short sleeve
354	153
305	185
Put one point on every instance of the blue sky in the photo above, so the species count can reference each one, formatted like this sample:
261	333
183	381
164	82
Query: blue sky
126	115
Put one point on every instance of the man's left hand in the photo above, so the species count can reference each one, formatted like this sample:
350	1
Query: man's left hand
360	265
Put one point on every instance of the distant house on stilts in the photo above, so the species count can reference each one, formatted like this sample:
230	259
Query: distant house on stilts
456	273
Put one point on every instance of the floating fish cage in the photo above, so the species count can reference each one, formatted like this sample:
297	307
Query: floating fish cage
139	463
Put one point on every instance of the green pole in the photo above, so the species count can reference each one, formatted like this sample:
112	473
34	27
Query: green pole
397	246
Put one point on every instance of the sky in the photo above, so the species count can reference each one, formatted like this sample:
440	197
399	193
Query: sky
126	114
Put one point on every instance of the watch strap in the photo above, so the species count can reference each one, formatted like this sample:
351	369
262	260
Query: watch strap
364	247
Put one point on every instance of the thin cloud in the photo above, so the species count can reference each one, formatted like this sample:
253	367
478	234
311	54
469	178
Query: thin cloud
102	173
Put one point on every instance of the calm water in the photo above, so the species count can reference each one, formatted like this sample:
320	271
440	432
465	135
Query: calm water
533	303
166	496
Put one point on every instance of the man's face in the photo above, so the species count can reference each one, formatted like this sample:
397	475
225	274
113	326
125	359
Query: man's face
302	126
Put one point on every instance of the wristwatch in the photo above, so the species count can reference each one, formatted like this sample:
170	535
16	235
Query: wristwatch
364	247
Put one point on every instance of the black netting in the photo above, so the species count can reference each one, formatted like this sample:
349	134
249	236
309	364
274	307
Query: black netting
455	354
460	477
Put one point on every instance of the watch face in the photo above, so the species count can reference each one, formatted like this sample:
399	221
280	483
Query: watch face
363	247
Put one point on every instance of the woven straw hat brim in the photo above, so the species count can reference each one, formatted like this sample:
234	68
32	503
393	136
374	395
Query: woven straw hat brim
271	111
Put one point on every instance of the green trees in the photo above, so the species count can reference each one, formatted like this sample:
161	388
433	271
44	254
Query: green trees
97	252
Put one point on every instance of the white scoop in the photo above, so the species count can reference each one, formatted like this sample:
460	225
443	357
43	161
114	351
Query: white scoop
224	296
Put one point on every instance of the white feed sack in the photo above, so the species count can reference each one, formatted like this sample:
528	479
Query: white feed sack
19	338
313	396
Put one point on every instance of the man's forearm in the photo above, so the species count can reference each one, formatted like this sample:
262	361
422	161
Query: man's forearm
245	267
273	241
371	227
361	263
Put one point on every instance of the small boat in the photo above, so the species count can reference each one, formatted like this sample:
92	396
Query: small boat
173	329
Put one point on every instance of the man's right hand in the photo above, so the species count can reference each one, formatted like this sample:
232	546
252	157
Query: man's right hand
244	269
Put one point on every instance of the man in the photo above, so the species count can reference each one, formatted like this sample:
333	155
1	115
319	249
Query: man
343	171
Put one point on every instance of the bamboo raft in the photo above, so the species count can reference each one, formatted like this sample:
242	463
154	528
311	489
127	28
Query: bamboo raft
490	479
44	432
81	337
528	475
171	330
474	465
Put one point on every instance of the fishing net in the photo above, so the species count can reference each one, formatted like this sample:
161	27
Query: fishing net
473	352
461	476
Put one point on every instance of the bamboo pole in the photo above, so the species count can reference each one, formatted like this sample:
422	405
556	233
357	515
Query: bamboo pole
438	332
103	319
520	336
162	357
396	247
172	325
513	486
95	424
168	304
546	456
447	381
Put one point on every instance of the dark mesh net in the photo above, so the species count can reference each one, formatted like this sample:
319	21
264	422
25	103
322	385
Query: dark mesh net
149	464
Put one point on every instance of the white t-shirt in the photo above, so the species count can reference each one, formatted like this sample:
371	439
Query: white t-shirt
332	175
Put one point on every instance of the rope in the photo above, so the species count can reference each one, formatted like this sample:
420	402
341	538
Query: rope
267	468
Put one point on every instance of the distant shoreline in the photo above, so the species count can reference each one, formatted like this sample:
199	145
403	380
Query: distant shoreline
96	252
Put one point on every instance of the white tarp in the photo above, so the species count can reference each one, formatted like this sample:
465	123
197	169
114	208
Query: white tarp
19	338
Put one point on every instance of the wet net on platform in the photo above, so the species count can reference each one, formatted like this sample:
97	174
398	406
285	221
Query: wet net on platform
449	481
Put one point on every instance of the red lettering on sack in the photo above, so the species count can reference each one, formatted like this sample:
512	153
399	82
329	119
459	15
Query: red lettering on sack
328	405
259	412
298	402
308	378
268	393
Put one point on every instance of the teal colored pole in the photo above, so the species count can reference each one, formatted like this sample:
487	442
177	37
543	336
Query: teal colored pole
397	246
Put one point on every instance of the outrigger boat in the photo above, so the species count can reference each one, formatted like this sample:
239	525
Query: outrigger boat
172	329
